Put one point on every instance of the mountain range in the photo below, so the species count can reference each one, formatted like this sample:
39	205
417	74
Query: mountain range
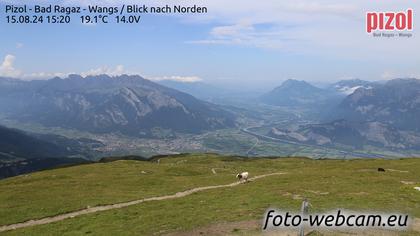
357	135
22	152
296	93
347	87
396	103
125	104
16	144
377	114
198	89
356	114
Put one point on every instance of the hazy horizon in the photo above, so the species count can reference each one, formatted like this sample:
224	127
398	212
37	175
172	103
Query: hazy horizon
228	85
237	42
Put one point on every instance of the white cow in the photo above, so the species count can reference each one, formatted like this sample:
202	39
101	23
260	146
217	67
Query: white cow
243	176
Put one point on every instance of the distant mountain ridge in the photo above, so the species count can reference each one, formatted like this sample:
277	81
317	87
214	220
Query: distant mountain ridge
130	105
22	152
396	102
366	114
301	93
352	134
347	87
17	144
296	93
198	89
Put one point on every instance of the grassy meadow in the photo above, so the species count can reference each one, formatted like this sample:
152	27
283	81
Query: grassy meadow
328	184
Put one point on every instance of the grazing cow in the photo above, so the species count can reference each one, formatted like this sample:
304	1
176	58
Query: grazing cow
243	176
381	169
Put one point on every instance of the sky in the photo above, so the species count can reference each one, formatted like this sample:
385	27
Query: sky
242	43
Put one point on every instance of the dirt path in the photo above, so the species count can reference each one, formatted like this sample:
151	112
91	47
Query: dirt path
61	217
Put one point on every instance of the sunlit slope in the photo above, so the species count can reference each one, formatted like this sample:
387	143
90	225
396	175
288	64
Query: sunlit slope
328	184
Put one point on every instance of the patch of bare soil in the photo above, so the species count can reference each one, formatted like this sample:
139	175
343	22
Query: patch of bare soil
221	229
243	228
253	227
317	192
415	225
401	171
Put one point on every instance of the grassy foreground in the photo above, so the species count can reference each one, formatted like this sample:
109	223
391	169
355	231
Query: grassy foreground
328	184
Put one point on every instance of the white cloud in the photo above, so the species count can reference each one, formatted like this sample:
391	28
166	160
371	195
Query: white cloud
7	68
43	75
388	74
322	27
19	45
326	28
247	35
184	79
112	71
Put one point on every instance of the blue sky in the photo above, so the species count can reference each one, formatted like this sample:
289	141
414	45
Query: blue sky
251	43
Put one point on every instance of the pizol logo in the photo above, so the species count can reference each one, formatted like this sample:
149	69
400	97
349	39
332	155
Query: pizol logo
389	21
